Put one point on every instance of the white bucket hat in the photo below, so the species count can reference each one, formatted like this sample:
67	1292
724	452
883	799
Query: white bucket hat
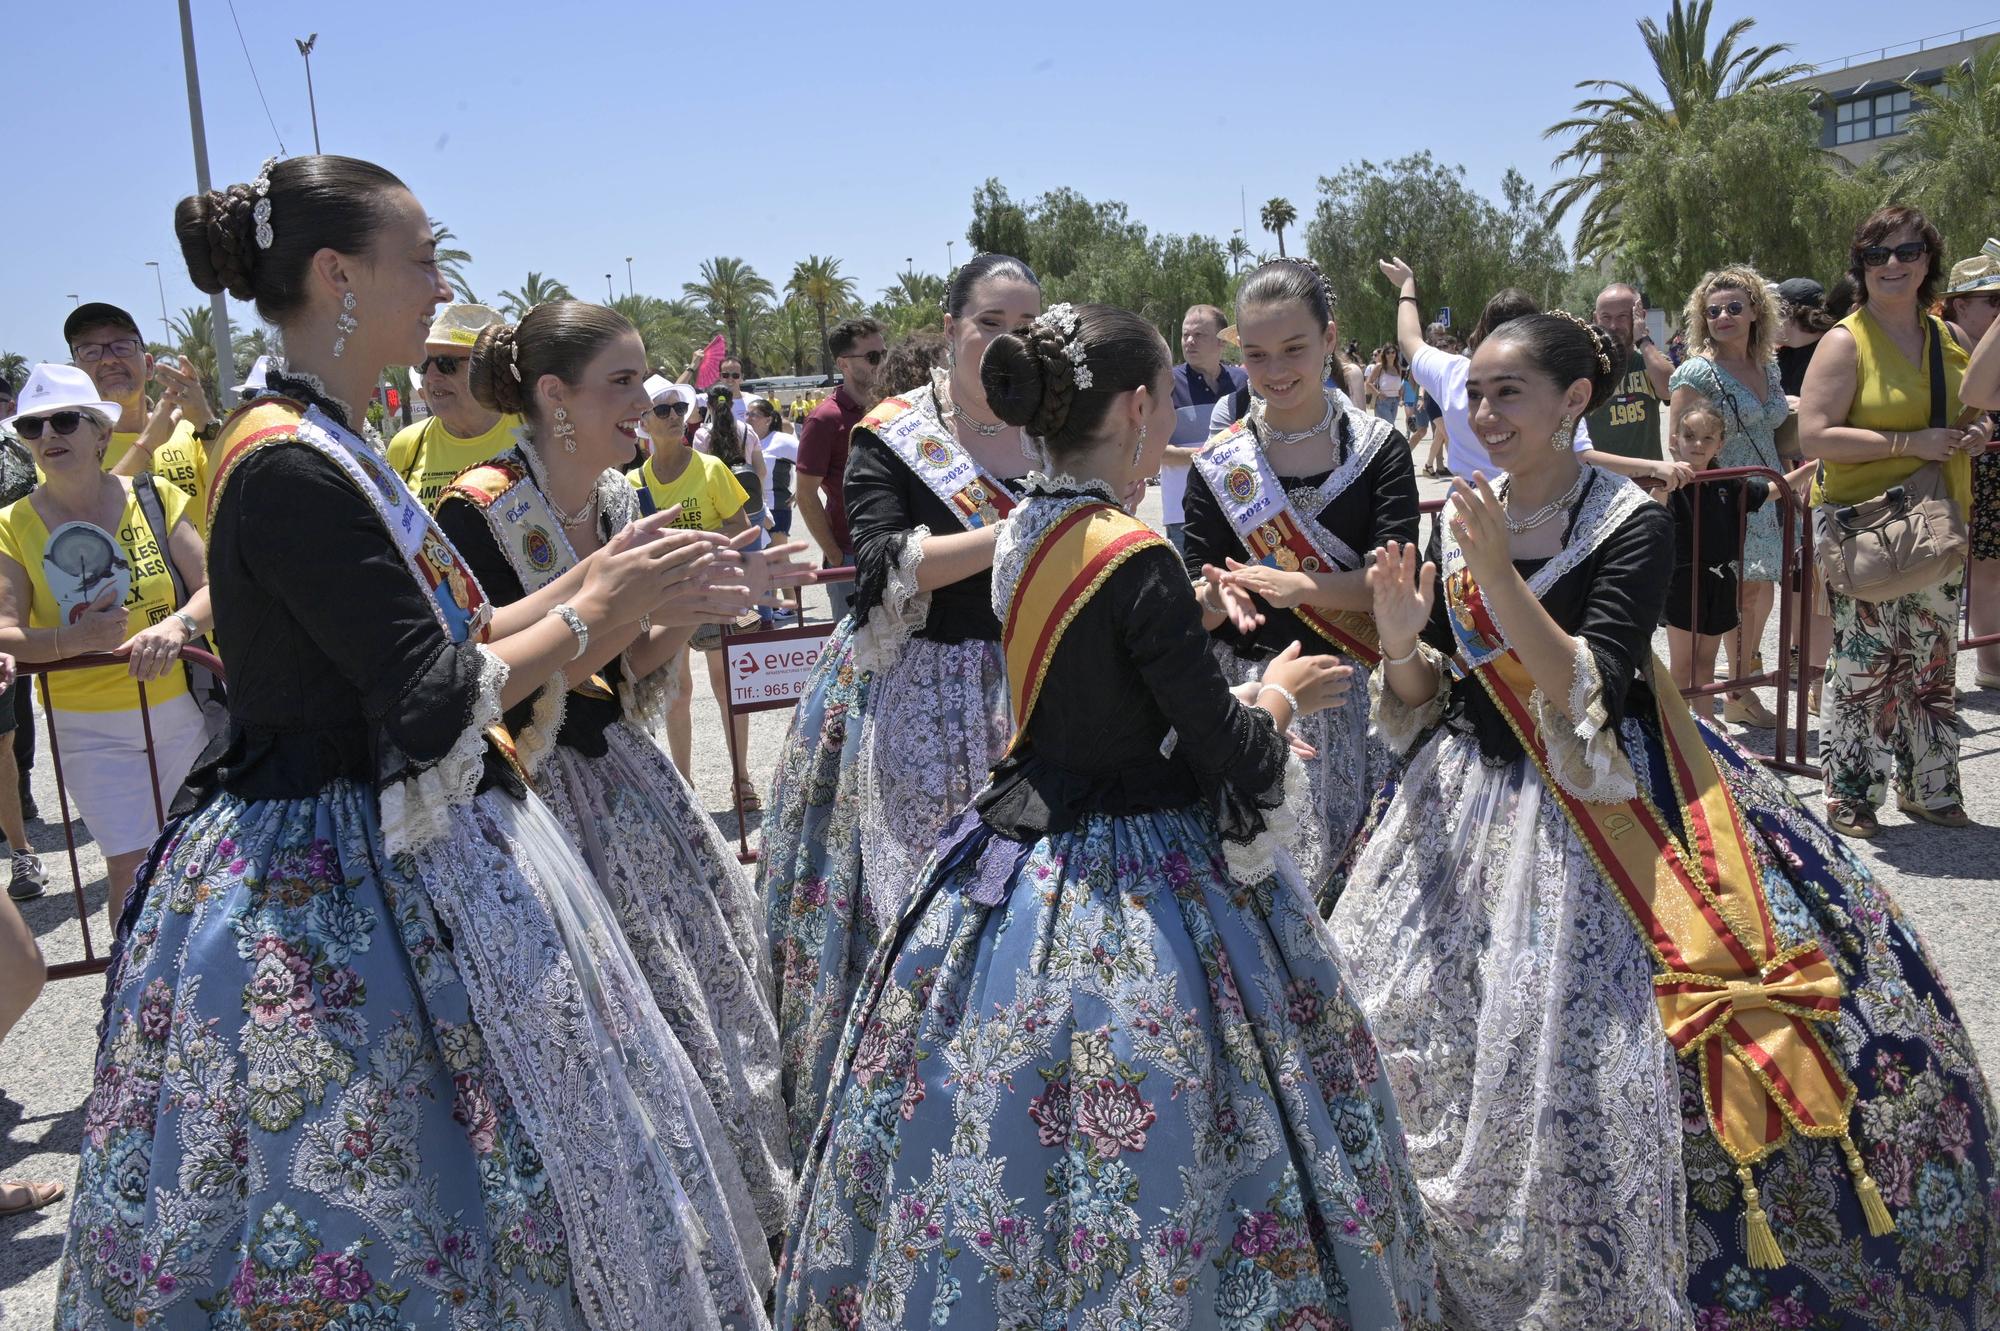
53	388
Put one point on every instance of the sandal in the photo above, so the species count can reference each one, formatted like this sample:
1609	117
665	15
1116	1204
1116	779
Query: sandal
746	795
1951	815
1852	818
20	1198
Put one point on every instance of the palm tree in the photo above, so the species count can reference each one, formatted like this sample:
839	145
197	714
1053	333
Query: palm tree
13	368
1692	75
245	350
1948	158
195	345
1276	215
818	282
451	261
1238	252
729	290
533	292
671	329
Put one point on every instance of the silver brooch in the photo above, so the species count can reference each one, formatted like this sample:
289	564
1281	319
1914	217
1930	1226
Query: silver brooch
261	214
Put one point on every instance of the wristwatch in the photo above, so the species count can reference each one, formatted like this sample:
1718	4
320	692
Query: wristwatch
210	432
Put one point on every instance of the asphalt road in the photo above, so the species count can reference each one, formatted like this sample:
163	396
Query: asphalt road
1945	881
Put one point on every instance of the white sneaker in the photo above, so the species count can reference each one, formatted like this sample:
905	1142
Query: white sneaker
29	879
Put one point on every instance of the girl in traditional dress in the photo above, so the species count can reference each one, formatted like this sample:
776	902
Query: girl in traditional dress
1106	1074
374	1053
1666	1054
906	711
688	912
1288	500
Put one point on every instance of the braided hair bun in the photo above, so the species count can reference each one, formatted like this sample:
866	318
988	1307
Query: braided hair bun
1029	380
491	377
1030	374
218	239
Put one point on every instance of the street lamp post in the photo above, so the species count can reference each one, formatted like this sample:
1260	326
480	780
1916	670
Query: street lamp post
306	51
947	257
629	289
166	324
75	298
608	297
217	305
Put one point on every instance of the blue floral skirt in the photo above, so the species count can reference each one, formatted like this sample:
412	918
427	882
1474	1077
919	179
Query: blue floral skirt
1569	1174
309	1111
1129	1092
873	768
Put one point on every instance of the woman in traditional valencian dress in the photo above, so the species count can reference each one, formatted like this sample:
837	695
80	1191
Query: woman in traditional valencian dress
906	711
1289	499
374	1053
1107	1074
1666	1054
688	912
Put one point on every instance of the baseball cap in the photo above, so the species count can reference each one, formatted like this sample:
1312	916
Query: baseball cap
97	314
1802	293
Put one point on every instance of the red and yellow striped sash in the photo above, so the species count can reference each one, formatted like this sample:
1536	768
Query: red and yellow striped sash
1280	543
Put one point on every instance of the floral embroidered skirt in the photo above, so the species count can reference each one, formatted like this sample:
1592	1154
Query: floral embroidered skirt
338	1090
1569	1175
1131	1093
874	767
1352	765
694	925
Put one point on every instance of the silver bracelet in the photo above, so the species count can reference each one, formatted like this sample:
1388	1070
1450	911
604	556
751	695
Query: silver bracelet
187	622
1406	657
569	616
1282	692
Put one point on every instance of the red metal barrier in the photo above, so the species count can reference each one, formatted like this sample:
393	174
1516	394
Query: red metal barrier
94	963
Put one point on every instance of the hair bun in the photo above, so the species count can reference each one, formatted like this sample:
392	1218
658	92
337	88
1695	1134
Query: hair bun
1011	374
494	374
218	238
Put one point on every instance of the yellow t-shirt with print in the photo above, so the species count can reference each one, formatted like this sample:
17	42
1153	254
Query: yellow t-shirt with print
708	493
429	457
83	562
182	459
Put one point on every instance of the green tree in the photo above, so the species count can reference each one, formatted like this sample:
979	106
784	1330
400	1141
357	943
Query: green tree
915	302
1462	245
195	345
730	291
1276	215
13	368
245	348
1947	161
999	225
1609	126
1238	252
533	292
671	329
452	261
817	281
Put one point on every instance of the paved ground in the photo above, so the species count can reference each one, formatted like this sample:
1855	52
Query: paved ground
1946	882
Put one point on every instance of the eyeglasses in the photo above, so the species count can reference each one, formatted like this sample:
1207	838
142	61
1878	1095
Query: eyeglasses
666	409
1908	252
446	365
1732	309
875	357
727	375
62	422
89	353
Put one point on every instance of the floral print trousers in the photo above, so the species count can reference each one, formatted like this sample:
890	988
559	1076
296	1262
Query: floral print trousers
1889	707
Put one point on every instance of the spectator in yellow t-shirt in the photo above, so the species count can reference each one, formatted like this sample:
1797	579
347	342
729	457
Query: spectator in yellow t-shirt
83	569
167	436
710	499
459	433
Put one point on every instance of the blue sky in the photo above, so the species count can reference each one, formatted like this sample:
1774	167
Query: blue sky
565	138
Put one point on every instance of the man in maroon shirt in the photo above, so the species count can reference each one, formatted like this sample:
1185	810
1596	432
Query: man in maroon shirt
819	488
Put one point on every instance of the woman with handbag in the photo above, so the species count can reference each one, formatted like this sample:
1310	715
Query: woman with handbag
1880	412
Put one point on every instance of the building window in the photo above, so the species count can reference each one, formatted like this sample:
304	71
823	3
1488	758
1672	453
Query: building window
1875	117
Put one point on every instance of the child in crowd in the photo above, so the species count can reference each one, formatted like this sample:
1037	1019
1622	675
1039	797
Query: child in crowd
1701	603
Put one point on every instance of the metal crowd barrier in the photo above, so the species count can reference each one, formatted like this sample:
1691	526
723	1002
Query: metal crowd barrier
93	962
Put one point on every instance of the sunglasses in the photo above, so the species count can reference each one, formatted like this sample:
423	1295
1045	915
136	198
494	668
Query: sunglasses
1732	309
875	357
446	365
727	375
62	422
1908	252
666	409
89	353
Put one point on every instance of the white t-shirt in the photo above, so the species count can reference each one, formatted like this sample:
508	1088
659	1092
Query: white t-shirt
1443	376
778	447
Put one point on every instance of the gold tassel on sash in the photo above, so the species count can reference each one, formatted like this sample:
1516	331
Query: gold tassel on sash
1765	1254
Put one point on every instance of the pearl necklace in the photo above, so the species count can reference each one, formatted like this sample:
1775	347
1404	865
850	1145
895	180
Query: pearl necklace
587	513
1541	516
1277	436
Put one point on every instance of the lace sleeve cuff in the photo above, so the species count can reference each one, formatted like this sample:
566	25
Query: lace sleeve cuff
1256	859
900	613
417	806
537	739
1399	723
1583	752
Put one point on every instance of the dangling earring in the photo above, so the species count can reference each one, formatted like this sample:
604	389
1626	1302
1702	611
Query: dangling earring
1140	446
565	431
1565	434
344	325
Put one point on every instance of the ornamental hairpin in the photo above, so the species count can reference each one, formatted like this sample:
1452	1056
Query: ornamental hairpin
1603	356
514	358
260	189
1063	319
